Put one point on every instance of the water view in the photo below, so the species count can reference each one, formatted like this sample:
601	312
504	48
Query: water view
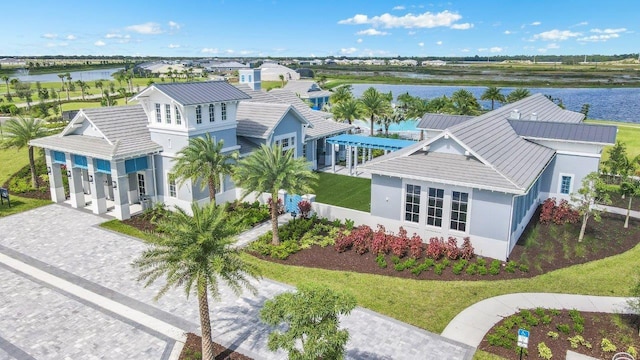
85	75
618	104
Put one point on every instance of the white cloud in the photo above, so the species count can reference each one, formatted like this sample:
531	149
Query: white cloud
149	28
542	50
464	50
399	7
408	21
229	51
412	33
71	37
553	46
438	42
359	41
246	52
174	46
372	32
507	32
99	43
174	25
421	44
556	35
496	49
49	36
209	51
599	38
113	36
535	23
348	51
608	31
56	44
582	23
482	49
465	26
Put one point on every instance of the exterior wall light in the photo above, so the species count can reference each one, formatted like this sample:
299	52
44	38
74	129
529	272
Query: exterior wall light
90	178
48	169
68	173
115	184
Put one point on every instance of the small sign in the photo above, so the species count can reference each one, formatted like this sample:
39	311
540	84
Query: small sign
523	338
4	195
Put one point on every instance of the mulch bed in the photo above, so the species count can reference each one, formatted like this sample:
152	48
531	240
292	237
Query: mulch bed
192	350
596	327
615	240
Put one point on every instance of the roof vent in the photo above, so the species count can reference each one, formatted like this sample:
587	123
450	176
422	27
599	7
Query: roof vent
534	116
467	153
515	115
425	148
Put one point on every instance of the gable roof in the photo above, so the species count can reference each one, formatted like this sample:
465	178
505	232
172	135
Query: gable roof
192	93
124	130
541	108
431	121
600	134
306	88
258	120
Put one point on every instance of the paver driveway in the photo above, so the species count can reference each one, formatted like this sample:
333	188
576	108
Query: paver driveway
68	291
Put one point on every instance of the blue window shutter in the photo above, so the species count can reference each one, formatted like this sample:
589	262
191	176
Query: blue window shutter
103	166
80	161
59	157
137	164
129	166
141	163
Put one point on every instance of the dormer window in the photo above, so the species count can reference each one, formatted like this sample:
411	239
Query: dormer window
199	114
158	114
223	108
167	113
212	113
178	117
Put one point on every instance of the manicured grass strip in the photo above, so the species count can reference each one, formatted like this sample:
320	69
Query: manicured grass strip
12	160
345	191
118	226
431	305
483	355
85	104
20	204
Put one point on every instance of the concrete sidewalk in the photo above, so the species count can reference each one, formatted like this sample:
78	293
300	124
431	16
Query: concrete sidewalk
470	326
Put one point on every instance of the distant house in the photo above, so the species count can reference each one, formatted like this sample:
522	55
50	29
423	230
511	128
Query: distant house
310	91
225	66
433	63
484	176
272	72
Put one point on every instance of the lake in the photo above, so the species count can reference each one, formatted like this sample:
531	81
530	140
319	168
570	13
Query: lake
618	104
85	75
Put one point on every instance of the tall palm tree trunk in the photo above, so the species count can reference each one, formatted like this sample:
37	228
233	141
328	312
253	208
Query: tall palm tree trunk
212	189
274	219
32	167
205	321
371	125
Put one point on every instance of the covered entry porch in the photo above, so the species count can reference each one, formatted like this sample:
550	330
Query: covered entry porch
352	145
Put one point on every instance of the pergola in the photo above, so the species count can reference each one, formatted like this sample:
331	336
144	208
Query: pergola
351	144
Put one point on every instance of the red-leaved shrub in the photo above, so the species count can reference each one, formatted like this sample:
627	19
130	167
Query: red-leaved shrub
305	208
559	214
436	248
362	239
466	252
415	246
380	241
451	248
546	212
343	242
400	243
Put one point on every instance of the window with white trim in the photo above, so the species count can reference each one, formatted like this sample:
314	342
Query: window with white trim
459	209
412	203
158	113
287	142
171	181
178	117
435	202
566	184
198	114
167	113
212	113
223	110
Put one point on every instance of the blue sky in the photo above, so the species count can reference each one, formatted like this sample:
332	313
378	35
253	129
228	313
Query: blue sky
320	28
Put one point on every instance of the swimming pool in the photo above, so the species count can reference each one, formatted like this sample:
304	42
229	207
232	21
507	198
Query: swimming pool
406	125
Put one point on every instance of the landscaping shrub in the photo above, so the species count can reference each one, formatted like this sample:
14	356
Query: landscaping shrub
482	270
415	246
472	269
466	252
407	264
503	336
400	243
494	268
632	351
451	248
563	328
423	267
343	243
359	240
439	268
558	213
554	335
380	242
577	340
436	248
544	352
523	268
607	346
459	266
305	208
511	267
348	224
382	262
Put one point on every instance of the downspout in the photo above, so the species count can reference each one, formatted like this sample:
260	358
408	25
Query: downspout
513	200
155	177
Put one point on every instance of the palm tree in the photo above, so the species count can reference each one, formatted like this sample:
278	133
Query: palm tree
203	159
416	108
5	78
123	93
348	110
374	104
517	94
17	134
281	77
270	169
440	105
83	87
68	77
340	94
196	253
98	84
464	103
493	93
61	76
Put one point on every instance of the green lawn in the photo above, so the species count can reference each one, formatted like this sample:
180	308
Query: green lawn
20	204
85	105
345	191
12	160
628	133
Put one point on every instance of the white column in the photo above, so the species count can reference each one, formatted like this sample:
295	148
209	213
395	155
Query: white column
96	184
56	185
76	192
333	158
355	159
120	190
349	154
370	154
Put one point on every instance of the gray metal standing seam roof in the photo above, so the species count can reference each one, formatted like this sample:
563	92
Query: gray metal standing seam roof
202	92
591	133
441	121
